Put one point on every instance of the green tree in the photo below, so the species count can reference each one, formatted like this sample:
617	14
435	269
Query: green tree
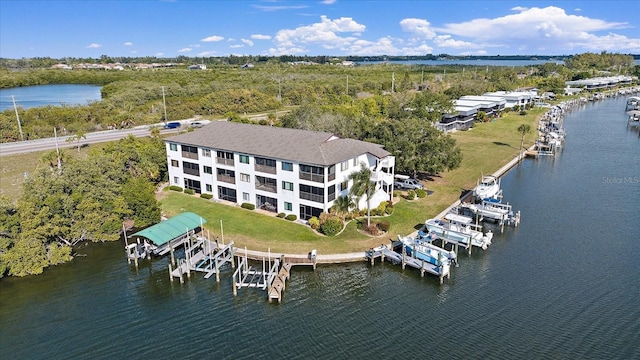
523	129
363	186
343	205
79	135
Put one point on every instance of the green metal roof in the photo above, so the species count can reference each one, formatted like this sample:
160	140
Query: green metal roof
165	231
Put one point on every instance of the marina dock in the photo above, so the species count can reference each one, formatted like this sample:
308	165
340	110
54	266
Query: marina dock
385	253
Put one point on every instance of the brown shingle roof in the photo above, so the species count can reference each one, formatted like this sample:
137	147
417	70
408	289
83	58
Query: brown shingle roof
302	146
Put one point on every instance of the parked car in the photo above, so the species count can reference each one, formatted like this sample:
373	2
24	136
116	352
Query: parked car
172	125
410	184
196	124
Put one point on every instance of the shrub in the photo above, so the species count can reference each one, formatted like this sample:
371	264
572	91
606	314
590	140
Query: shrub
411	194
389	210
380	210
373	229
291	217
175	188
359	224
397	193
523	113
384	226
331	226
421	193
248	206
314	222
282	215
206	196
189	191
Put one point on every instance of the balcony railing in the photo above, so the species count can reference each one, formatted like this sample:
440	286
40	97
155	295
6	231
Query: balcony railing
226	178
191	171
190	155
312	197
266	187
224	161
265	169
312	177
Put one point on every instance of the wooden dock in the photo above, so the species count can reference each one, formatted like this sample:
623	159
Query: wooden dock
385	253
203	255
271	277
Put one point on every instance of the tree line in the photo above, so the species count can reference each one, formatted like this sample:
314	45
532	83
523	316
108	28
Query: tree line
66	202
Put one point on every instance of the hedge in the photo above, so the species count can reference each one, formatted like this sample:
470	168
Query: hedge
291	217
206	196
331	226
189	191
175	188
248	206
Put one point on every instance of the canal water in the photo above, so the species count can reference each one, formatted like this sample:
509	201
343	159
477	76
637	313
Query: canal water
55	95
563	285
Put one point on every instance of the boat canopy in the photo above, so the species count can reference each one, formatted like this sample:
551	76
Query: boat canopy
165	231
458	218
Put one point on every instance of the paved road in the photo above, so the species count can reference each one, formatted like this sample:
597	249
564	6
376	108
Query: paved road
22	147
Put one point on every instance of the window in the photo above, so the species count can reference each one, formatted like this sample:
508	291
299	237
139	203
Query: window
175	163
288	206
223	157
355	161
228	176
312	173
344	165
332	193
190	152
190	168
173	147
246	197
266	184
227	194
206	152
244	159
287	166
192	184
208	187
332	173
343	185
287	185
265	165
176	180
208	170
245	177
311	193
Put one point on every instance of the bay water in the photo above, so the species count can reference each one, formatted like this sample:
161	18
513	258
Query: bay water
55	95
565	284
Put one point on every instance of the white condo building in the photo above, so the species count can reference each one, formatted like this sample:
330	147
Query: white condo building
277	169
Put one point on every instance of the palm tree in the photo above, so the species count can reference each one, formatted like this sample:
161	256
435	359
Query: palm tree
343	205
523	129
363	186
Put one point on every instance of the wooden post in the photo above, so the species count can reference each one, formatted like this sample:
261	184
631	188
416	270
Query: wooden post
235	288
170	273
403	259
173	259
422	269
180	273
217	271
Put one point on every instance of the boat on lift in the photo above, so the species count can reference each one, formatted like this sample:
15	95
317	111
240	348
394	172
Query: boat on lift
421	248
488	187
459	229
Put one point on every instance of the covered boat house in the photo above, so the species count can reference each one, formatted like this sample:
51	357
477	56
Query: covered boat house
160	238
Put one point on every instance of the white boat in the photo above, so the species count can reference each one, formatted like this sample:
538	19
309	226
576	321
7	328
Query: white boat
490	209
421	248
459	229
489	187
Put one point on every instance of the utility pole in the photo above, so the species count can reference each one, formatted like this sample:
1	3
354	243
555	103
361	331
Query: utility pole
165	107
347	85
393	82
55	134
17	117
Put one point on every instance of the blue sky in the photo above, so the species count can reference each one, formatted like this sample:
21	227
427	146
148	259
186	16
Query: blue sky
169	28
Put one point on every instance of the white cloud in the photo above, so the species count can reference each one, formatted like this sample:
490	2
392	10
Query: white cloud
325	33
419	27
328	2
236	46
94	46
187	49
447	42
207	53
213	38
260	37
246	41
538	29
159	54
128	43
